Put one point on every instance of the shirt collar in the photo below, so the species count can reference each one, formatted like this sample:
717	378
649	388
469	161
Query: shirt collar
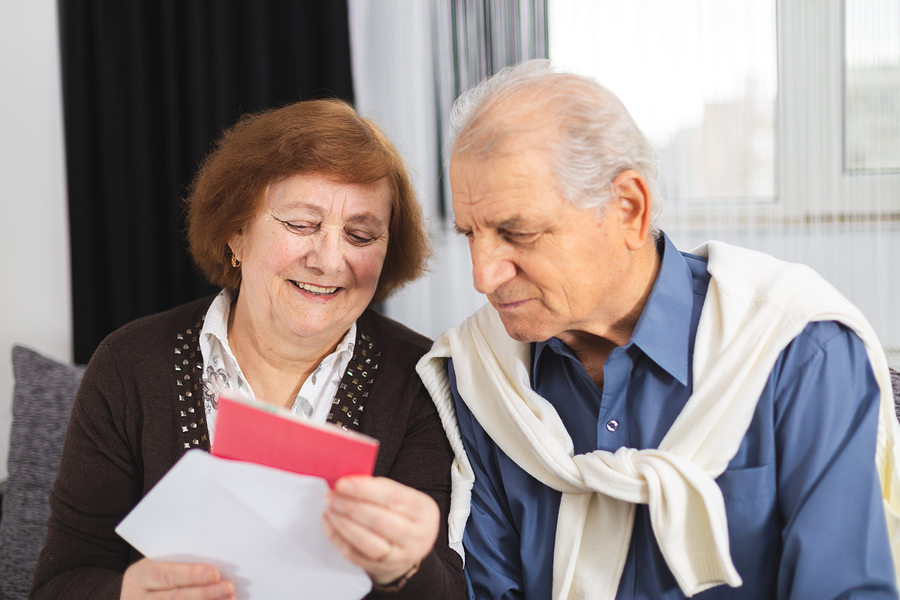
215	326
663	329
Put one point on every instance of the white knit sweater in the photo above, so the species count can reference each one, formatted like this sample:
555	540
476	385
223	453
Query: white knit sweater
754	307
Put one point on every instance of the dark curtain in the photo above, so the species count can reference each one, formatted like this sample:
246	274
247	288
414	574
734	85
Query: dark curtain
147	86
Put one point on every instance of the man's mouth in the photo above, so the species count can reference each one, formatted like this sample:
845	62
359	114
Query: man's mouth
314	289
509	305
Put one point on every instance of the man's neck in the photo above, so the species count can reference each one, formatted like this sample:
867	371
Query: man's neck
594	344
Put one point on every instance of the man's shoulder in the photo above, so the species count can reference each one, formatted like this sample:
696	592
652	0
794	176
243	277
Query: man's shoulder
822	337
699	272
821	351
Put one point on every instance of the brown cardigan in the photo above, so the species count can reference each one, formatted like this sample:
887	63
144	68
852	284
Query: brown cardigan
139	408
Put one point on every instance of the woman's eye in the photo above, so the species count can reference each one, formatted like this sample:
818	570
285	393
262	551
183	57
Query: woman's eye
302	228
360	238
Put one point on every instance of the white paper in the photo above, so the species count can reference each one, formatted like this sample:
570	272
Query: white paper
260	526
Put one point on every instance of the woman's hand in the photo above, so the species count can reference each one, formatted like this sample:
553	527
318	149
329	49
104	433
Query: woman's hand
148	579
381	525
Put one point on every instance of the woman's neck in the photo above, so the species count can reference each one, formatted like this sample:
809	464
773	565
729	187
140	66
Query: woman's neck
275	367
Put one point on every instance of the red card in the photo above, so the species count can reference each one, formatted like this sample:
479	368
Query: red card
272	436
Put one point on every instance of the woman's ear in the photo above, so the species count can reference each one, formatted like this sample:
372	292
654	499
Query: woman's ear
632	200
236	244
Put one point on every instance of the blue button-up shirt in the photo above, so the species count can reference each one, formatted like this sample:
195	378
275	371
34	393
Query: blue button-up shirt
802	496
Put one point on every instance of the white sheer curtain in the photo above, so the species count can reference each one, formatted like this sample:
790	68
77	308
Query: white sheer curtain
777	124
410	61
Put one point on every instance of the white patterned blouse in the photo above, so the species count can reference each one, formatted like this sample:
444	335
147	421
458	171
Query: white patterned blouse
222	372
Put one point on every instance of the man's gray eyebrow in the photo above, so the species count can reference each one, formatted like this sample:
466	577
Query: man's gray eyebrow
511	223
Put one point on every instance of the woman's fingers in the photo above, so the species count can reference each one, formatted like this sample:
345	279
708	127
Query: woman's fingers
381	525
392	561
380	490
340	531
148	579
368	544
388	509
382	521
153	575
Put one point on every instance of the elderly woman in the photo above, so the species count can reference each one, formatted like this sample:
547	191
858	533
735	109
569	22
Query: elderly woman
305	216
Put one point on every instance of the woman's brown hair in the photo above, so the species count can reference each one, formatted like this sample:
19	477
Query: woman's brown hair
322	137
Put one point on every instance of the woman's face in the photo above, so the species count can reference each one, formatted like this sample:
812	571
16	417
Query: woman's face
312	256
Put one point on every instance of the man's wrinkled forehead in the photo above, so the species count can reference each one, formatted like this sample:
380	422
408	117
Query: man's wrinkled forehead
512	165
509	125
507	191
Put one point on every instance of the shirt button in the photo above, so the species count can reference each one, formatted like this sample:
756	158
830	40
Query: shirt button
612	425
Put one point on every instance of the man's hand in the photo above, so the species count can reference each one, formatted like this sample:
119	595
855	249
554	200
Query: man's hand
149	580
381	525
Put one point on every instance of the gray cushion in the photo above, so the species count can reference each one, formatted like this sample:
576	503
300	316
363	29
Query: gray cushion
895	383
42	402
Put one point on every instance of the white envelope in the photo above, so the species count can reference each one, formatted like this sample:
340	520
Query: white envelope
260	526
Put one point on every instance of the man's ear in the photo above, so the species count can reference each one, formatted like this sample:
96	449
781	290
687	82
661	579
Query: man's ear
631	198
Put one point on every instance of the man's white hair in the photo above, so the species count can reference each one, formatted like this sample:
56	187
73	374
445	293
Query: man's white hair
593	137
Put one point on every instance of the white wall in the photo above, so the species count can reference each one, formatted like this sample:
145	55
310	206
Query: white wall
35	288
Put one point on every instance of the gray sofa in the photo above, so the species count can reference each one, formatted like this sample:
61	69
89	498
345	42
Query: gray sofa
42	400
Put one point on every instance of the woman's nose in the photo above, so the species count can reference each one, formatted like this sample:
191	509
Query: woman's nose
326	252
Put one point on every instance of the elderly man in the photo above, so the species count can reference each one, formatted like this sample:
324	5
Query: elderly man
637	422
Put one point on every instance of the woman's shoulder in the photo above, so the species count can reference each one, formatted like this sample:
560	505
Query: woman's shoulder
159	328
391	334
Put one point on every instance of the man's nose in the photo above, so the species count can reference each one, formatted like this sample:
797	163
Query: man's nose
326	253
490	267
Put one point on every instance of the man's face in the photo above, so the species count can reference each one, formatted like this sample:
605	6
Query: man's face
545	265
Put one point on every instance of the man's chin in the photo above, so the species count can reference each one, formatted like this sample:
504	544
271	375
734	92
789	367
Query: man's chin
523	330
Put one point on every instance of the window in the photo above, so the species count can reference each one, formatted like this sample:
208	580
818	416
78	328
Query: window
871	86
700	78
777	126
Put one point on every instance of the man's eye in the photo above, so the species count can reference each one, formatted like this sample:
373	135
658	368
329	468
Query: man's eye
517	236
460	231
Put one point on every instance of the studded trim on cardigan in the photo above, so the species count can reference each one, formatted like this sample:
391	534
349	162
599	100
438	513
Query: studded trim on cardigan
347	407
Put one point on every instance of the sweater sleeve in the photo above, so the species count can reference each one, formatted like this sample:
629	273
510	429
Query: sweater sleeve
98	483
494	569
